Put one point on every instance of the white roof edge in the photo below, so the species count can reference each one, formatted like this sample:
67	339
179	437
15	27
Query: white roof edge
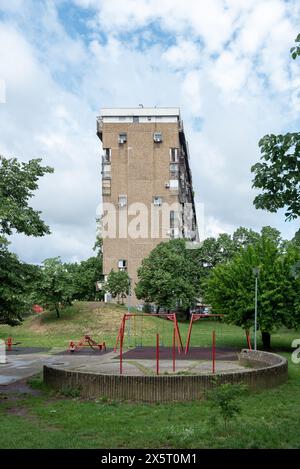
140	111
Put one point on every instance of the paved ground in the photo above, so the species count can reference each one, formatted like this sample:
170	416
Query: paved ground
22	364
195	353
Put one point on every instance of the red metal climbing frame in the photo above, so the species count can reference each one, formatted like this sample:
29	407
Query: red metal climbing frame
170	316
196	317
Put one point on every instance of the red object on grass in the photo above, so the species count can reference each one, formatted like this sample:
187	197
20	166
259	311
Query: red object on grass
9	343
37	308
174	349
86	341
157	354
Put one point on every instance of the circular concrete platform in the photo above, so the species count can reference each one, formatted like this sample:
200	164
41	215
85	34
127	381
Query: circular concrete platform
101	376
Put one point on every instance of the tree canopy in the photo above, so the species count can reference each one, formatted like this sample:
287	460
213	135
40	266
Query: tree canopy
17	280
84	277
230	287
55	287
18	181
277	176
117	284
169	276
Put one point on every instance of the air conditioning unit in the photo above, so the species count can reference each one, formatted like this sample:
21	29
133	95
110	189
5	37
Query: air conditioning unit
122	201
157	201
122	264
157	137
167	185
122	138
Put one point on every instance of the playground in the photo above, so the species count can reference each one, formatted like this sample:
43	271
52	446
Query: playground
27	405
144	345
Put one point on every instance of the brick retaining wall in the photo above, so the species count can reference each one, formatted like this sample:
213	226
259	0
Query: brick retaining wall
265	370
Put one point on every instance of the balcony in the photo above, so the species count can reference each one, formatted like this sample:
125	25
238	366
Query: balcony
99	127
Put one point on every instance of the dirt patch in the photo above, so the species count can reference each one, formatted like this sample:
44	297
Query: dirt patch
17	411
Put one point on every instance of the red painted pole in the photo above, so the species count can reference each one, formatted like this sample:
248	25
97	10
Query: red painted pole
121	355
157	354
178	332
214	351
187	346
248	340
173	350
122	331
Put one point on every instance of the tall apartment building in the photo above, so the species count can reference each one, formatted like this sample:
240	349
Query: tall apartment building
146	185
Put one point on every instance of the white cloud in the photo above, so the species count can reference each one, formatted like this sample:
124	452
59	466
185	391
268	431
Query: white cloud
225	62
184	54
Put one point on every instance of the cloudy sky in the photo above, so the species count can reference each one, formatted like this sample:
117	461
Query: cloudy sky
226	63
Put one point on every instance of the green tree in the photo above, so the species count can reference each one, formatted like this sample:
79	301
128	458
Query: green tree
117	284
225	400
230	287
169	276
214	251
98	246
17	280
243	237
18	181
55	286
296	238
278	173
85	275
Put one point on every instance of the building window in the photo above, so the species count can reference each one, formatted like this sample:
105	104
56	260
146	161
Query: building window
172	219
122	264
106	187
136	119
122	137
173	155
122	118
106	157
122	200
157	200
106	171
157	137
173	170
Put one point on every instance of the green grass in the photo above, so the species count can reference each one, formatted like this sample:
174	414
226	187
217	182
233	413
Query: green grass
102	323
45	330
269	419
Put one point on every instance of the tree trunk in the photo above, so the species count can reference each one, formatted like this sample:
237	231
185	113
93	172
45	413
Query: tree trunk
57	311
266	339
187	313
157	309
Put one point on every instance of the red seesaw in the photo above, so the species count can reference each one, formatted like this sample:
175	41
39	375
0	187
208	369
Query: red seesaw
86	341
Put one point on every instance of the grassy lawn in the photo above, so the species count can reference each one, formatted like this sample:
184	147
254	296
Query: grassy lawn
102	323
269	419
